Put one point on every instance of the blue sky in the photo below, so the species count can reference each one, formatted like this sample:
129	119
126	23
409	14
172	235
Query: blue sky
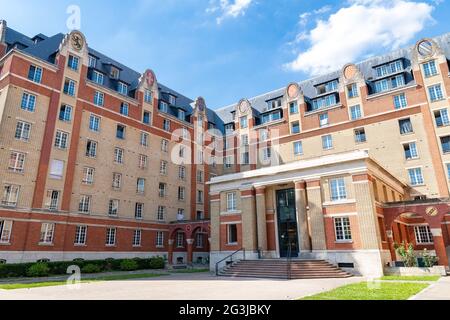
226	50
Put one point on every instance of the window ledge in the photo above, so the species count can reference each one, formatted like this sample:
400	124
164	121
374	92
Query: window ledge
232	244
80	245
44	244
310	113
160	247
338	202
5	243
231	212
343	241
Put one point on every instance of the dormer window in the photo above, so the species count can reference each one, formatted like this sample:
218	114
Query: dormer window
172	100
114	74
229	128
163	106
122	88
92	62
389	83
324	102
181	114
97	77
327	87
389	68
272	104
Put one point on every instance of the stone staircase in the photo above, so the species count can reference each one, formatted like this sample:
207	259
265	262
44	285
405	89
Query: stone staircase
278	269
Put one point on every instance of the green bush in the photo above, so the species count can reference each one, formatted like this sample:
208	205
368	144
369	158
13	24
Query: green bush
91	268
129	265
156	263
14	270
38	270
407	254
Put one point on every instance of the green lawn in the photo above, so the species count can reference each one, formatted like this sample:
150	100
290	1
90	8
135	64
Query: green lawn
372	291
411	278
13	286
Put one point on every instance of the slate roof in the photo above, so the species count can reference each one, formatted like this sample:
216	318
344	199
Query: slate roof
46	47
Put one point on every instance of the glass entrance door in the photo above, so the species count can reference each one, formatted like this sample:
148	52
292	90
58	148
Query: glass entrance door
287	223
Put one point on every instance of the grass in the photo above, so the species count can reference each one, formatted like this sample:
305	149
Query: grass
411	278
372	291
14	286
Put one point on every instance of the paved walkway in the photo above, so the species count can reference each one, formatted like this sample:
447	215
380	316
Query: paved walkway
439	290
183	286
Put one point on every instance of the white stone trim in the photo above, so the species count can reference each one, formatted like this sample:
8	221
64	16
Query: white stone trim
334	215
436	232
337	203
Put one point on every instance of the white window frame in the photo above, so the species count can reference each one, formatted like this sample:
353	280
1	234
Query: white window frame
80	235
5	231
10	195
338	189
231	201
17	162
111	237
345	234
47	233
423	236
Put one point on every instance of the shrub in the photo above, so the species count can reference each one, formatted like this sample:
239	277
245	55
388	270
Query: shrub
406	252
39	269
156	263
128	265
91	268
429	260
14	270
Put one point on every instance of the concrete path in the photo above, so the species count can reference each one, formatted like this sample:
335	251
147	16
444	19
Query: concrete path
439	290
183	287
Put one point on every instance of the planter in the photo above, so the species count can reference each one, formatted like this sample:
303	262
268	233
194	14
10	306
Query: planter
415	271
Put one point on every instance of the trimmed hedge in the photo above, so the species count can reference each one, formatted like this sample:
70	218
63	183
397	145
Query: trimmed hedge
60	267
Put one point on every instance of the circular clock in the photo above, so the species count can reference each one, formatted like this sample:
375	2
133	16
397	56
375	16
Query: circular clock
243	106
77	41
425	48
293	90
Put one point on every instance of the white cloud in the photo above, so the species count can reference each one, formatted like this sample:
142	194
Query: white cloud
357	30
304	17
229	9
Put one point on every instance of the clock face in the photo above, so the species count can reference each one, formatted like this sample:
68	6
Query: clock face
425	48
150	78
77	41
293	91
243	107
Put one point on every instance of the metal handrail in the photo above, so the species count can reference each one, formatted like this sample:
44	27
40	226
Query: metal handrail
289	262
228	257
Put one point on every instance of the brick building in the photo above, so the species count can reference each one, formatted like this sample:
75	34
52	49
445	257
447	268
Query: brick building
102	161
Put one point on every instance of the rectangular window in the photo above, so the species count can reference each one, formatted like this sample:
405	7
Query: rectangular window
327	142
441	118
80	235
389	68
181	193
140	185
10	195
429	69
337	189
231	201
137	238
61	139
267	153
114	73
47	232
16	162
161	214
148	96
120	132
423	234
200	175
352	90
143	161
298	148
448	171
181	115
118	155
293	107
144	139
244	122
28	102
172	100
91	149
122	88
323	119
295	127
98	77
410	151
200	198
92	62
73	62
435	93
88	175
163	167
360	135
163	106
164	145
84	205
400	101
5	231
52	200
99	98
405	126
229	128
245	158
415	176
56	169
166	125
124	107
181	172
159	239
35	74
94	123
355	112
244	140
23	130
390	83
147	118
232	234
343	229
199	240
138	210
445	143
65	113
228	161
272	104
110	236
180	240
69	87
323	102
117	181
113	207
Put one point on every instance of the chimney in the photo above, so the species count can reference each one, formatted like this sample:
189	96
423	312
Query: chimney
3	45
